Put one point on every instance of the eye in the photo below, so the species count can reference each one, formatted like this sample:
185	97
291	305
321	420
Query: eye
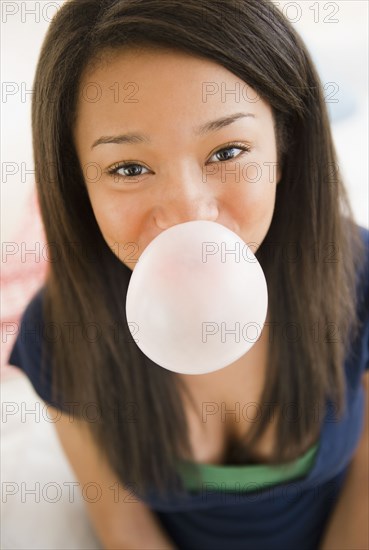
133	169
231	148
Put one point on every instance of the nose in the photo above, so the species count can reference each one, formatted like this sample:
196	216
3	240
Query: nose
185	199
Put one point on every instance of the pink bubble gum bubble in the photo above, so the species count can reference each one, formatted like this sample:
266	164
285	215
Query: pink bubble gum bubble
193	291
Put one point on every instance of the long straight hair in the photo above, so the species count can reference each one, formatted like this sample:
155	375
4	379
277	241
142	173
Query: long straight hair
310	255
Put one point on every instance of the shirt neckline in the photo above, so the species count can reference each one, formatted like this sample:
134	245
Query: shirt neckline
231	477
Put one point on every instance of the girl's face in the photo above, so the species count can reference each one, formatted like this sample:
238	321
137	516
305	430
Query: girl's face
165	138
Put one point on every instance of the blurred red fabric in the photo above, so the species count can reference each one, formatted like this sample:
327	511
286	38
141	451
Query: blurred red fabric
24	266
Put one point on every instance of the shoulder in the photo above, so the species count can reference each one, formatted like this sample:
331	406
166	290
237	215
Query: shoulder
28	342
363	277
33	311
28	352
358	358
364	234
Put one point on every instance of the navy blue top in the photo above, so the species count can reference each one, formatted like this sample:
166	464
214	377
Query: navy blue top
283	516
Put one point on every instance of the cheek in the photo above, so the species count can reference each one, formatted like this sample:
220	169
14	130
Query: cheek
254	194
117	219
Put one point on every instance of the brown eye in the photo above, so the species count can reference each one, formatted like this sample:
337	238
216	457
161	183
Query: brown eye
133	170
229	152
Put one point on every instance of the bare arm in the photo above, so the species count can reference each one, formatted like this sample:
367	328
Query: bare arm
118	518
348	527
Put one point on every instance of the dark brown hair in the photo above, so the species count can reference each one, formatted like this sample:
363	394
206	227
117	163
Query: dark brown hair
141	426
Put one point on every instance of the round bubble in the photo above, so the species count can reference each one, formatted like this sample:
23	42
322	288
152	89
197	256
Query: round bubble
197	298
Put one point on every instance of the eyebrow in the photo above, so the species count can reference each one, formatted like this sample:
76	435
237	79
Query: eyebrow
210	126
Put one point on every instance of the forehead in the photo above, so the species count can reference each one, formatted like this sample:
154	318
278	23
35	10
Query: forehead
141	84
